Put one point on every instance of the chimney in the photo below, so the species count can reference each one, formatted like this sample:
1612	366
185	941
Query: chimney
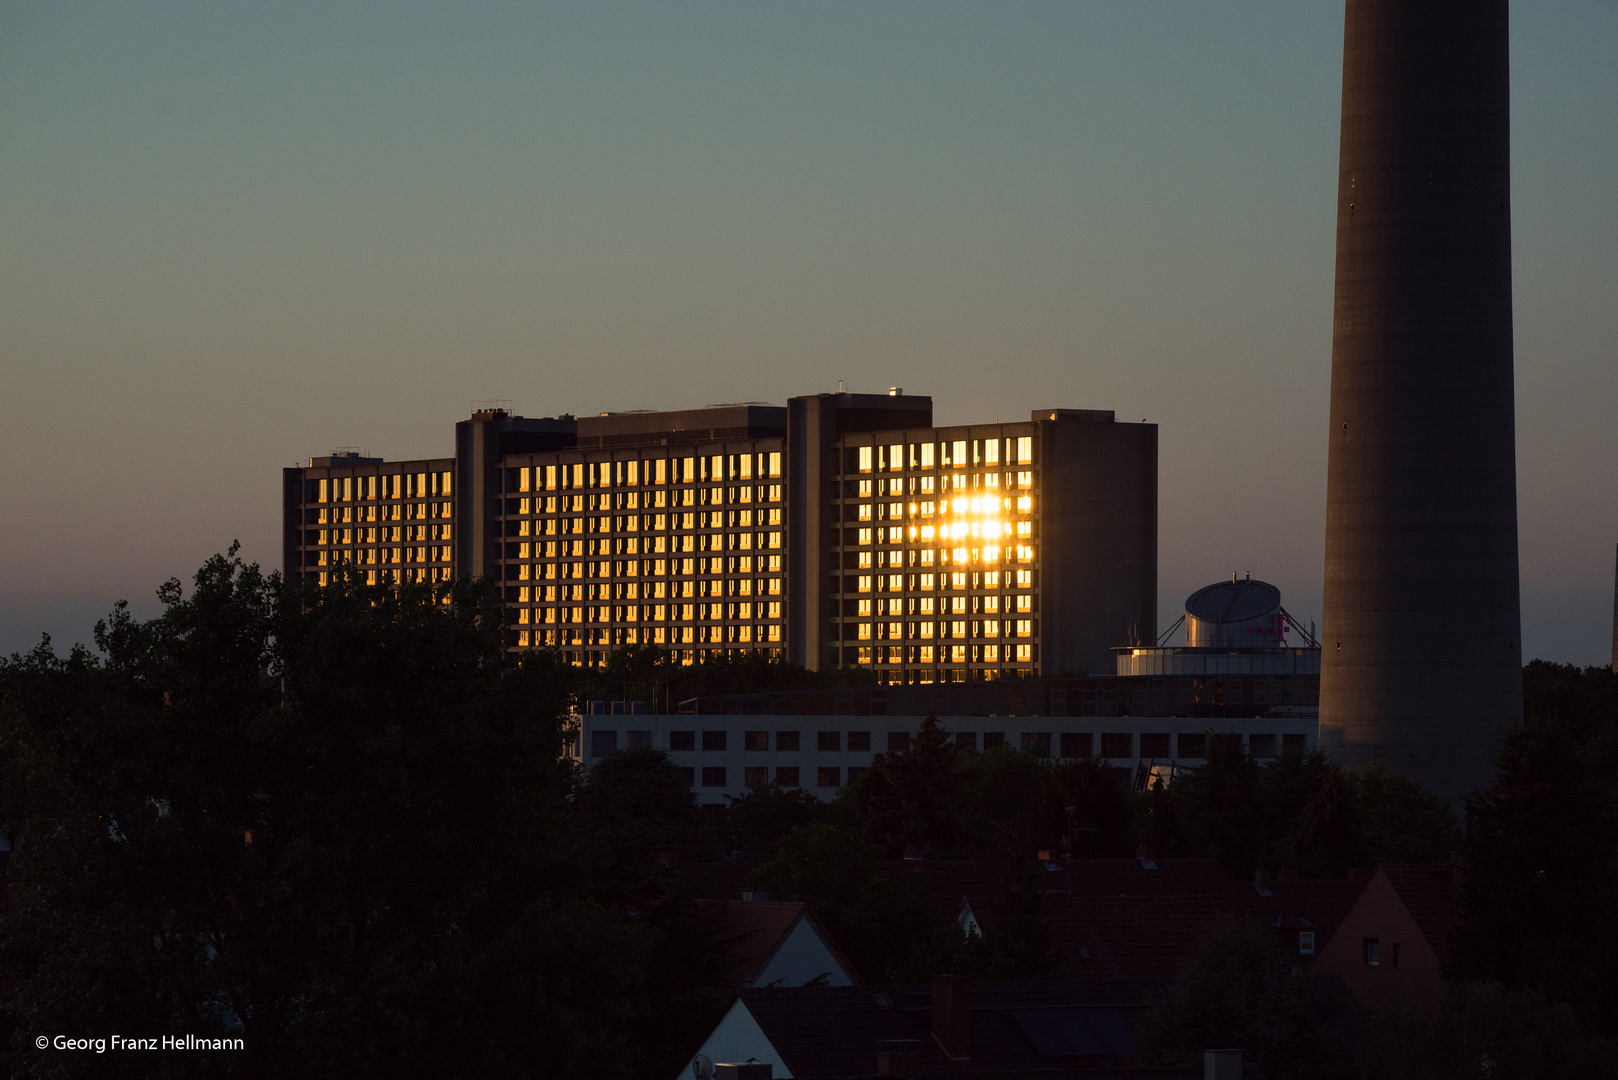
952	1019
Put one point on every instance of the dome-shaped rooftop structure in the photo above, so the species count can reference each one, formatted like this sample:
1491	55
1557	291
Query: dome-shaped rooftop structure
1234	613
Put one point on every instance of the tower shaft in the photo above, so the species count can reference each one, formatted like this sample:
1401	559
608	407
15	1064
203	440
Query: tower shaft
1422	661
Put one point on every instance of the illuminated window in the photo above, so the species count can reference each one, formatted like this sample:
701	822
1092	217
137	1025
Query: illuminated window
1025	504
1025	627
865	536
864	512
1025	450
1025	528
958	581
957	455
865	458
864	608
1025	602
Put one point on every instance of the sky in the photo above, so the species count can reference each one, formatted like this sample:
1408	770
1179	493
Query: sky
233	236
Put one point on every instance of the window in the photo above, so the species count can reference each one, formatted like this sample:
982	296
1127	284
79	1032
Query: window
713	776
1396	956
1154	745
1037	743
898	742
1077	744
603	743
992	739
1117	745
755	740
829	740
689	775
786	776
713	740
1261	746
1373	952
828	776
786	740
1193	745
859	740
966	740
637	739
1306	943
755	776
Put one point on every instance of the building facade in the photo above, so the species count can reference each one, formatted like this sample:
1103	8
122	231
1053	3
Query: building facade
842	529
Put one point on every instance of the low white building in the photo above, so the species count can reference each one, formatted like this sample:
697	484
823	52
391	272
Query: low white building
728	755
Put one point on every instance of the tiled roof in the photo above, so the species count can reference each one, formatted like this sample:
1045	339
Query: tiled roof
1427	891
838	1031
1126	921
754	930
1319	902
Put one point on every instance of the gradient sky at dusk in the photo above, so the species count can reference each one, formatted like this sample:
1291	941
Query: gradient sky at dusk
236	235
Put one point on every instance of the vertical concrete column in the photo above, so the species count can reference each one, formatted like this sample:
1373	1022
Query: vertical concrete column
1422	661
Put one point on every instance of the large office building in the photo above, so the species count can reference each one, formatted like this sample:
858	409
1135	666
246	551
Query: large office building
841	529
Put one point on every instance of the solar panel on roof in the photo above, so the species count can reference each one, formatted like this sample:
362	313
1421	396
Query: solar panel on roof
1075	1032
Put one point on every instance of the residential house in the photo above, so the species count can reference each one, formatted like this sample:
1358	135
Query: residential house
1395	938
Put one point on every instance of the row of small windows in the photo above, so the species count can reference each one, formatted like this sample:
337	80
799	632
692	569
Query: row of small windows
927	605
395	534
1067	744
957	580
397	576
642	500
390	486
982	506
651	590
634	473
950	454
374	556
942	654
981	628
651	523
735	564
729	634
742	610
342	515
896	487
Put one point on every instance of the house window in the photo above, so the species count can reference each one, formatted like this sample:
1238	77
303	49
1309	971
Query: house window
1396	957
992	739
1154	744
1306	942
1373	952
755	740
1117	744
898	742
603	743
1076	744
1037	743
828	776
786	776
713	740
690	776
966	740
637	739
787	740
713	776
682	740
829	740
1193	744
859	740
756	776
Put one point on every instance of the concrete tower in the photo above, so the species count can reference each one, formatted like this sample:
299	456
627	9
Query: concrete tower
1421	660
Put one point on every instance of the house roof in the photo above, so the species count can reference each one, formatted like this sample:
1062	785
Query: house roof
838	1031
1309	903
755	929
1427	891
1124	920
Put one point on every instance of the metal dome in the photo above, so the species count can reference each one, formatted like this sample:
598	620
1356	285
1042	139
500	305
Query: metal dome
1233	601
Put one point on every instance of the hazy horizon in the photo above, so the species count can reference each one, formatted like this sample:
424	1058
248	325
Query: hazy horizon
238	237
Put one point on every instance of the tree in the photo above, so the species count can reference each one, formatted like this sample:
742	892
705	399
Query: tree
1241	989
338	823
1482	1031
909	799
1015	942
756	821
884	919
1331	833
1403	821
